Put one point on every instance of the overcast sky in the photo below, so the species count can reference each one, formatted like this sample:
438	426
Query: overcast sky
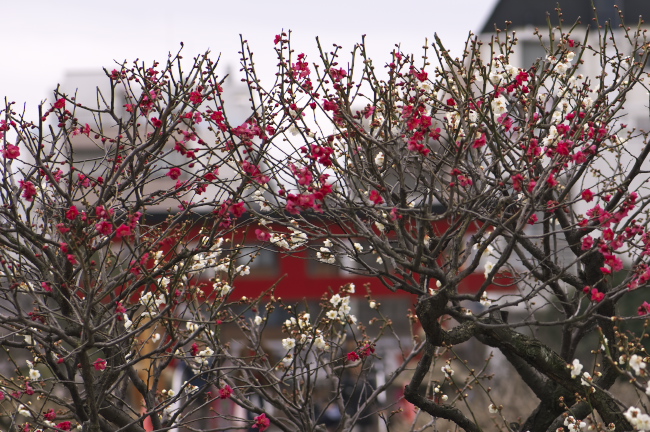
43	39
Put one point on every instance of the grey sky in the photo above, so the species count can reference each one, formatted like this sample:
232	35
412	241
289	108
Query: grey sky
42	39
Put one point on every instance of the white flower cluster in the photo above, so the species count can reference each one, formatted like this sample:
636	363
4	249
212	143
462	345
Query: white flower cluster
203	356
258	197
379	160
637	419
24	411
191	327
288	343
499	105
562	64
443	397
221	287
303	327
152	305
243	270
447	370
295	240
453	119
501	73
34	374
128	324
637	364
485	301
170	392
342	309
320	343
203	261
488	268
325	254
576	368
574	425
552	134
157	257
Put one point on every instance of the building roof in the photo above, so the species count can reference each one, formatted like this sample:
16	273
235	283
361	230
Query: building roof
534	12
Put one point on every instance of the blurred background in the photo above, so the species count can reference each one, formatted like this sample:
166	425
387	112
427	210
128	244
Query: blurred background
44	40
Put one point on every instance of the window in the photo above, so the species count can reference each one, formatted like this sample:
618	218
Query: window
263	262
531	51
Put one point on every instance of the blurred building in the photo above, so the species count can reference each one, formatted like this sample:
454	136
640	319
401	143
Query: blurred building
523	17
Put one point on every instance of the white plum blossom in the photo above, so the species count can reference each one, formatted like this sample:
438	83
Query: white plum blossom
551	136
637	419
372	304
573	424
298	239
319	343
258	320
34	374
326	256
453	118
303	321
155	337
358	247
499	105
637	363
223	288
488	268
279	241
643	422
586	379
576	368
128	324
447	370
380	226
485	301
379	159
288	343
493	409
472	116
332	314
344	310
243	270
24	411
207	352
